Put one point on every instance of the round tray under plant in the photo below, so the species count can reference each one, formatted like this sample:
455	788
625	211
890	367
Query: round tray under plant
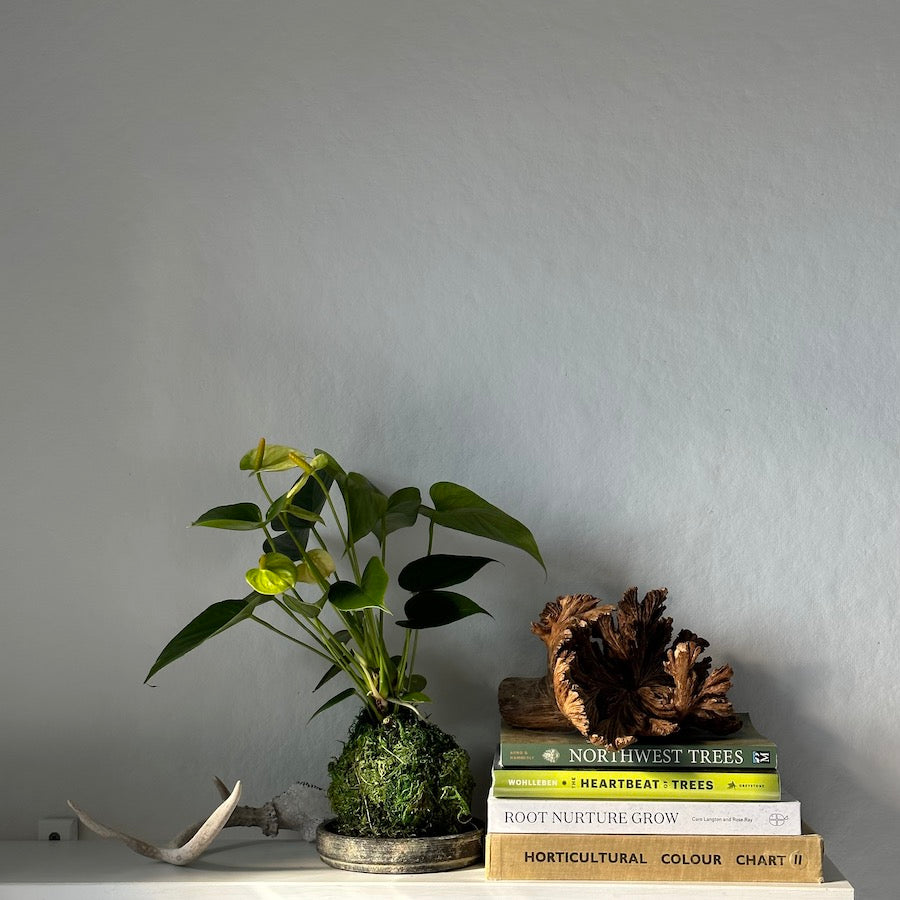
400	856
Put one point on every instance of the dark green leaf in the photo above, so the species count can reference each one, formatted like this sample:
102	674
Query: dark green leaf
334	670
346	596
375	581
459	508
284	543
431	609
234	517
343	695
209	623
284	506
365	505
402	512
416	697
310	497
439	570
417	683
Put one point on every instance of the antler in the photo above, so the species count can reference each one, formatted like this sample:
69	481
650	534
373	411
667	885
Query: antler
302	807
177	855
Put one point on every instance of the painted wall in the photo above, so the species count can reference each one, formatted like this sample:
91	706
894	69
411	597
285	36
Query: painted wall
628	269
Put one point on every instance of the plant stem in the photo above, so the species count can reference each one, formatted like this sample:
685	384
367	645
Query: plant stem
290	637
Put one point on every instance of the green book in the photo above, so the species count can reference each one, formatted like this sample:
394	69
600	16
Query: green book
636	784
744	749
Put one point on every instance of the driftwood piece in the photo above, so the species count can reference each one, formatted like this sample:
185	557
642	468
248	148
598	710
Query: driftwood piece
616	675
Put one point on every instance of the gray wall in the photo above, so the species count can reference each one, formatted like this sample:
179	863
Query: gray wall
628	269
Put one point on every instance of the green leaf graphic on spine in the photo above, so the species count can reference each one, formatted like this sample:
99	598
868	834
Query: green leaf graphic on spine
274	575
212	621
440	570
347	596
234	517
431	609
402	512
459	508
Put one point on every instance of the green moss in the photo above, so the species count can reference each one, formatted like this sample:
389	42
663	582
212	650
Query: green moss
402	778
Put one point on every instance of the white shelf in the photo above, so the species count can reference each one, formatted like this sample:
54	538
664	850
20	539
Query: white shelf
105	870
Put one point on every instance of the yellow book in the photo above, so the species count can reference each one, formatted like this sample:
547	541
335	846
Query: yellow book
631	784
654	857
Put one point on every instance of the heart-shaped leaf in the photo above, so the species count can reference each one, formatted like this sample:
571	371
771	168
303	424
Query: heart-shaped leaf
234	517
274	575
439	570
212	621
417	683
347	596
402	512
459	508
366	505
431	609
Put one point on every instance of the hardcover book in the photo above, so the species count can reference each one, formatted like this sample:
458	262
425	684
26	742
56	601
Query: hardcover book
529	816
603	857
744	749
636	784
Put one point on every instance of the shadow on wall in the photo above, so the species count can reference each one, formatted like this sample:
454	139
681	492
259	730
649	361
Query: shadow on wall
819	766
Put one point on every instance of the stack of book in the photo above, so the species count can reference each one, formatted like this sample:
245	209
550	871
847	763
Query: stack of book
705	809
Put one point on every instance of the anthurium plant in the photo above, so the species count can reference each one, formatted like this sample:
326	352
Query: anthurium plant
298	592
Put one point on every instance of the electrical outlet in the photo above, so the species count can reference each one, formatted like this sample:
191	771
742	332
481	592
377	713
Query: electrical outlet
58	829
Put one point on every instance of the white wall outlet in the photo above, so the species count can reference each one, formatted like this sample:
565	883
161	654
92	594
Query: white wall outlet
58	829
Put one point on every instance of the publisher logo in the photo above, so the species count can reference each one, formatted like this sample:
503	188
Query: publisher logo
551	755
778	819
762	757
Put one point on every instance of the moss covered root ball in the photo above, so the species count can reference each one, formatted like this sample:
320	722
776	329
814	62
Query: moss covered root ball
402	778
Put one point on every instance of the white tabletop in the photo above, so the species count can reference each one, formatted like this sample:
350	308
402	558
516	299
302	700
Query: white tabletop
97	870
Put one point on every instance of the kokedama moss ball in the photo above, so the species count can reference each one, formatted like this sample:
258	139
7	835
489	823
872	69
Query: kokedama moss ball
402	778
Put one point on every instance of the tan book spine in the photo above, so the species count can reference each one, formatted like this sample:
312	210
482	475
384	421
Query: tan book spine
662	857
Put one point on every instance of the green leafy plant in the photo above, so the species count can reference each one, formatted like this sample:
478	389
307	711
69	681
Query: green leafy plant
341	617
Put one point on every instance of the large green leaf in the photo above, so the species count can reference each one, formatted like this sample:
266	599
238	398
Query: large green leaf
439	570
402	512
431	609
234	517
366	505
212	621
459	508
347	596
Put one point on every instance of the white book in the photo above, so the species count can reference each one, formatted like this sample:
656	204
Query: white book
537	816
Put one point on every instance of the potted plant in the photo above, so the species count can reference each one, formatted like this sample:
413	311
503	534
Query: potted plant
399	776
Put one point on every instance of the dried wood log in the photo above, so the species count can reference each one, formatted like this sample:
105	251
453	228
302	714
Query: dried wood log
616	675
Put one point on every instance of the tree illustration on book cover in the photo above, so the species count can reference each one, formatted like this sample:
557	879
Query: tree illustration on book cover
615	674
